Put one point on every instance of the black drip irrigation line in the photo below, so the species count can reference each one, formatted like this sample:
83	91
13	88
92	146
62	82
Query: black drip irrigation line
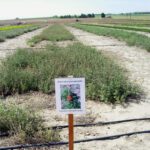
50	144
102	123
3	134
91	124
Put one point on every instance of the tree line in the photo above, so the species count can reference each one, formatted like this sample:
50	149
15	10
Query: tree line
79	16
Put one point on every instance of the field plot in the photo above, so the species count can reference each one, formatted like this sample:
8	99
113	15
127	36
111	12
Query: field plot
132	16
13	31
133	39
53	33
10	27
134	60
27	70
27	87
132	28
133	57
10	45
127	22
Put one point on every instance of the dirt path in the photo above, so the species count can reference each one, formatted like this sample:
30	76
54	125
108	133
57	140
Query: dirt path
137	62
10	45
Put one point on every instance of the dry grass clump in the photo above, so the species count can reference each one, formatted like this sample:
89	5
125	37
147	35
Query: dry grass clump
23	125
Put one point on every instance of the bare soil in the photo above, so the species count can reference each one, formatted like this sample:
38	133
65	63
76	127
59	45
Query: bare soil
10	45
66	43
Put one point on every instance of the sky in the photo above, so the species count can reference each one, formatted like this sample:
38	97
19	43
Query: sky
10	9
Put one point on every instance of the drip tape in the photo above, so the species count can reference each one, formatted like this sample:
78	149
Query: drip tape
102	123
51	144
90	124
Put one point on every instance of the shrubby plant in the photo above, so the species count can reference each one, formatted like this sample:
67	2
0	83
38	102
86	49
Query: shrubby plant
24	125
29	70
52	33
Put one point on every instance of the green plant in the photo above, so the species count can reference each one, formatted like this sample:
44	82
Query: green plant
52	33
24	125
124	27
16	31
28	70
10	27
133	39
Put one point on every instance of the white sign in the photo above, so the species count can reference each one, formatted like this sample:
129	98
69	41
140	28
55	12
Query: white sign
70	95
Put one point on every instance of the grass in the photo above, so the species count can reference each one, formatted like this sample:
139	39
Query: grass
133	39
52	33
24	125
27	70
6	34
132	28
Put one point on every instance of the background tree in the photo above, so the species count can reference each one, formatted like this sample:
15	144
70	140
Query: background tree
103	15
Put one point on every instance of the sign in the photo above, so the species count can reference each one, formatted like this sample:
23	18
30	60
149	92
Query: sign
70	95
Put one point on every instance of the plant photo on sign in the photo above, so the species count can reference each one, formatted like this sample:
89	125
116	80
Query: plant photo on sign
70	96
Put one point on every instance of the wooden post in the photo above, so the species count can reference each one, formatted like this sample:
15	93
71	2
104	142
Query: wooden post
71	132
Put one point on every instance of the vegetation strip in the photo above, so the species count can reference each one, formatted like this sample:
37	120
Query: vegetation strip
24	125
49	144
4	28
28	70
122	27
132	39
52	33
5	34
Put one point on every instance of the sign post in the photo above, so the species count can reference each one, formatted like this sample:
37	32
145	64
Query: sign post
71	131
70	99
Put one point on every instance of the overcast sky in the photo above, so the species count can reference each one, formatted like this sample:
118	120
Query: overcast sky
10	9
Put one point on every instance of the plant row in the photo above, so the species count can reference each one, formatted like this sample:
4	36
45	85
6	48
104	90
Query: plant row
24	125
52	33
28	70
132	39
6	34
10	27
132	28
